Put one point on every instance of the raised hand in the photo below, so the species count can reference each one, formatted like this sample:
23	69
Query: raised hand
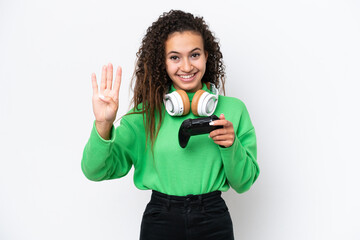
106	101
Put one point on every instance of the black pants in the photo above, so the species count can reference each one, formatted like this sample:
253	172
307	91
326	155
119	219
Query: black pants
193	217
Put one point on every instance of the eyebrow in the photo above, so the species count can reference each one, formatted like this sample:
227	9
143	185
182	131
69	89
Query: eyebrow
174	52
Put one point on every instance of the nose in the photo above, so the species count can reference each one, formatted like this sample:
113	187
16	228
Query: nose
186	65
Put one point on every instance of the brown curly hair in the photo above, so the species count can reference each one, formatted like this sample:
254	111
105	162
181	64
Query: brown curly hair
150	76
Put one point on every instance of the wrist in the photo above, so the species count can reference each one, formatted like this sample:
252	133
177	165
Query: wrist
104	129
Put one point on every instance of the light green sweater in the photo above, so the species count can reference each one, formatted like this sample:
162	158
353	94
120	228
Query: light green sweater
201	167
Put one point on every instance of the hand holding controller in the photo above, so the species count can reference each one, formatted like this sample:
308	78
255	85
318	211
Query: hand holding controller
191	127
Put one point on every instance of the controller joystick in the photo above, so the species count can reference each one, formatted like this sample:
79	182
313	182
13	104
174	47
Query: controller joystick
191	127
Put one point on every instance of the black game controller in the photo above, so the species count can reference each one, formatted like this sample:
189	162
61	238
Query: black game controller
191	127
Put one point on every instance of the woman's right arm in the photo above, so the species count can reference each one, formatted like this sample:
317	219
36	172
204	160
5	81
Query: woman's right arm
103	158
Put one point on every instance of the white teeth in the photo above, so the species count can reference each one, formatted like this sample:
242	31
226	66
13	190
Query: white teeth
187	76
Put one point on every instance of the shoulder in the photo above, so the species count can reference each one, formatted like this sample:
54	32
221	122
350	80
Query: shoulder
235	111
230	99
231	103
133	118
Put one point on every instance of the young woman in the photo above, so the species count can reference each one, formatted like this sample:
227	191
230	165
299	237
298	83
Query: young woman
177	76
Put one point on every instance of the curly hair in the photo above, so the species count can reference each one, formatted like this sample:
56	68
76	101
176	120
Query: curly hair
150	76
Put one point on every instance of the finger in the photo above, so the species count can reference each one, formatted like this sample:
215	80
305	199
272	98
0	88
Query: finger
217	132
109	76
103	79
223	138
222	121
219	123
117	81
94	84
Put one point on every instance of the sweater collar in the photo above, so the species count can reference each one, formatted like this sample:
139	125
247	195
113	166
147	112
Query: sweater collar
190	95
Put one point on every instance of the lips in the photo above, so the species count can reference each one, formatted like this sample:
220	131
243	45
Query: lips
188	77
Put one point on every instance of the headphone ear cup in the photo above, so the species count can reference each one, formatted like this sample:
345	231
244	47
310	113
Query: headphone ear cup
177	103
185	100
195	102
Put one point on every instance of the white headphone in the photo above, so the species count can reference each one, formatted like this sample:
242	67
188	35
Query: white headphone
203	103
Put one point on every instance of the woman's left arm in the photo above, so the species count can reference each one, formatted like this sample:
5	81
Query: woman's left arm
238	152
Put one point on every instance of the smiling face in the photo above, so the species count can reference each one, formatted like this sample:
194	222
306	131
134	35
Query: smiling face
185	60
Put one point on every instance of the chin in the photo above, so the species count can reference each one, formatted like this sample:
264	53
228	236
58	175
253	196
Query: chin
191	88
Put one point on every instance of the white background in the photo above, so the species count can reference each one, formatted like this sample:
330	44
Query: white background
295	64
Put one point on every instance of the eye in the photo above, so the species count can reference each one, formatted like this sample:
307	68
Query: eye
195	55
174	58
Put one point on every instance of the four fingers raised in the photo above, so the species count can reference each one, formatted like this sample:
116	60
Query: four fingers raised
107	81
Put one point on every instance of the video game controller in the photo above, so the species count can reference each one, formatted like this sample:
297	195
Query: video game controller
191	127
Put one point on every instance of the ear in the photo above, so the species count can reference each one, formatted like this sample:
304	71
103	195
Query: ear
206	55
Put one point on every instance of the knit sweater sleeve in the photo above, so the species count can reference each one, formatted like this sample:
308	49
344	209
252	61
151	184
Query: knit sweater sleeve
239	160
109	159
